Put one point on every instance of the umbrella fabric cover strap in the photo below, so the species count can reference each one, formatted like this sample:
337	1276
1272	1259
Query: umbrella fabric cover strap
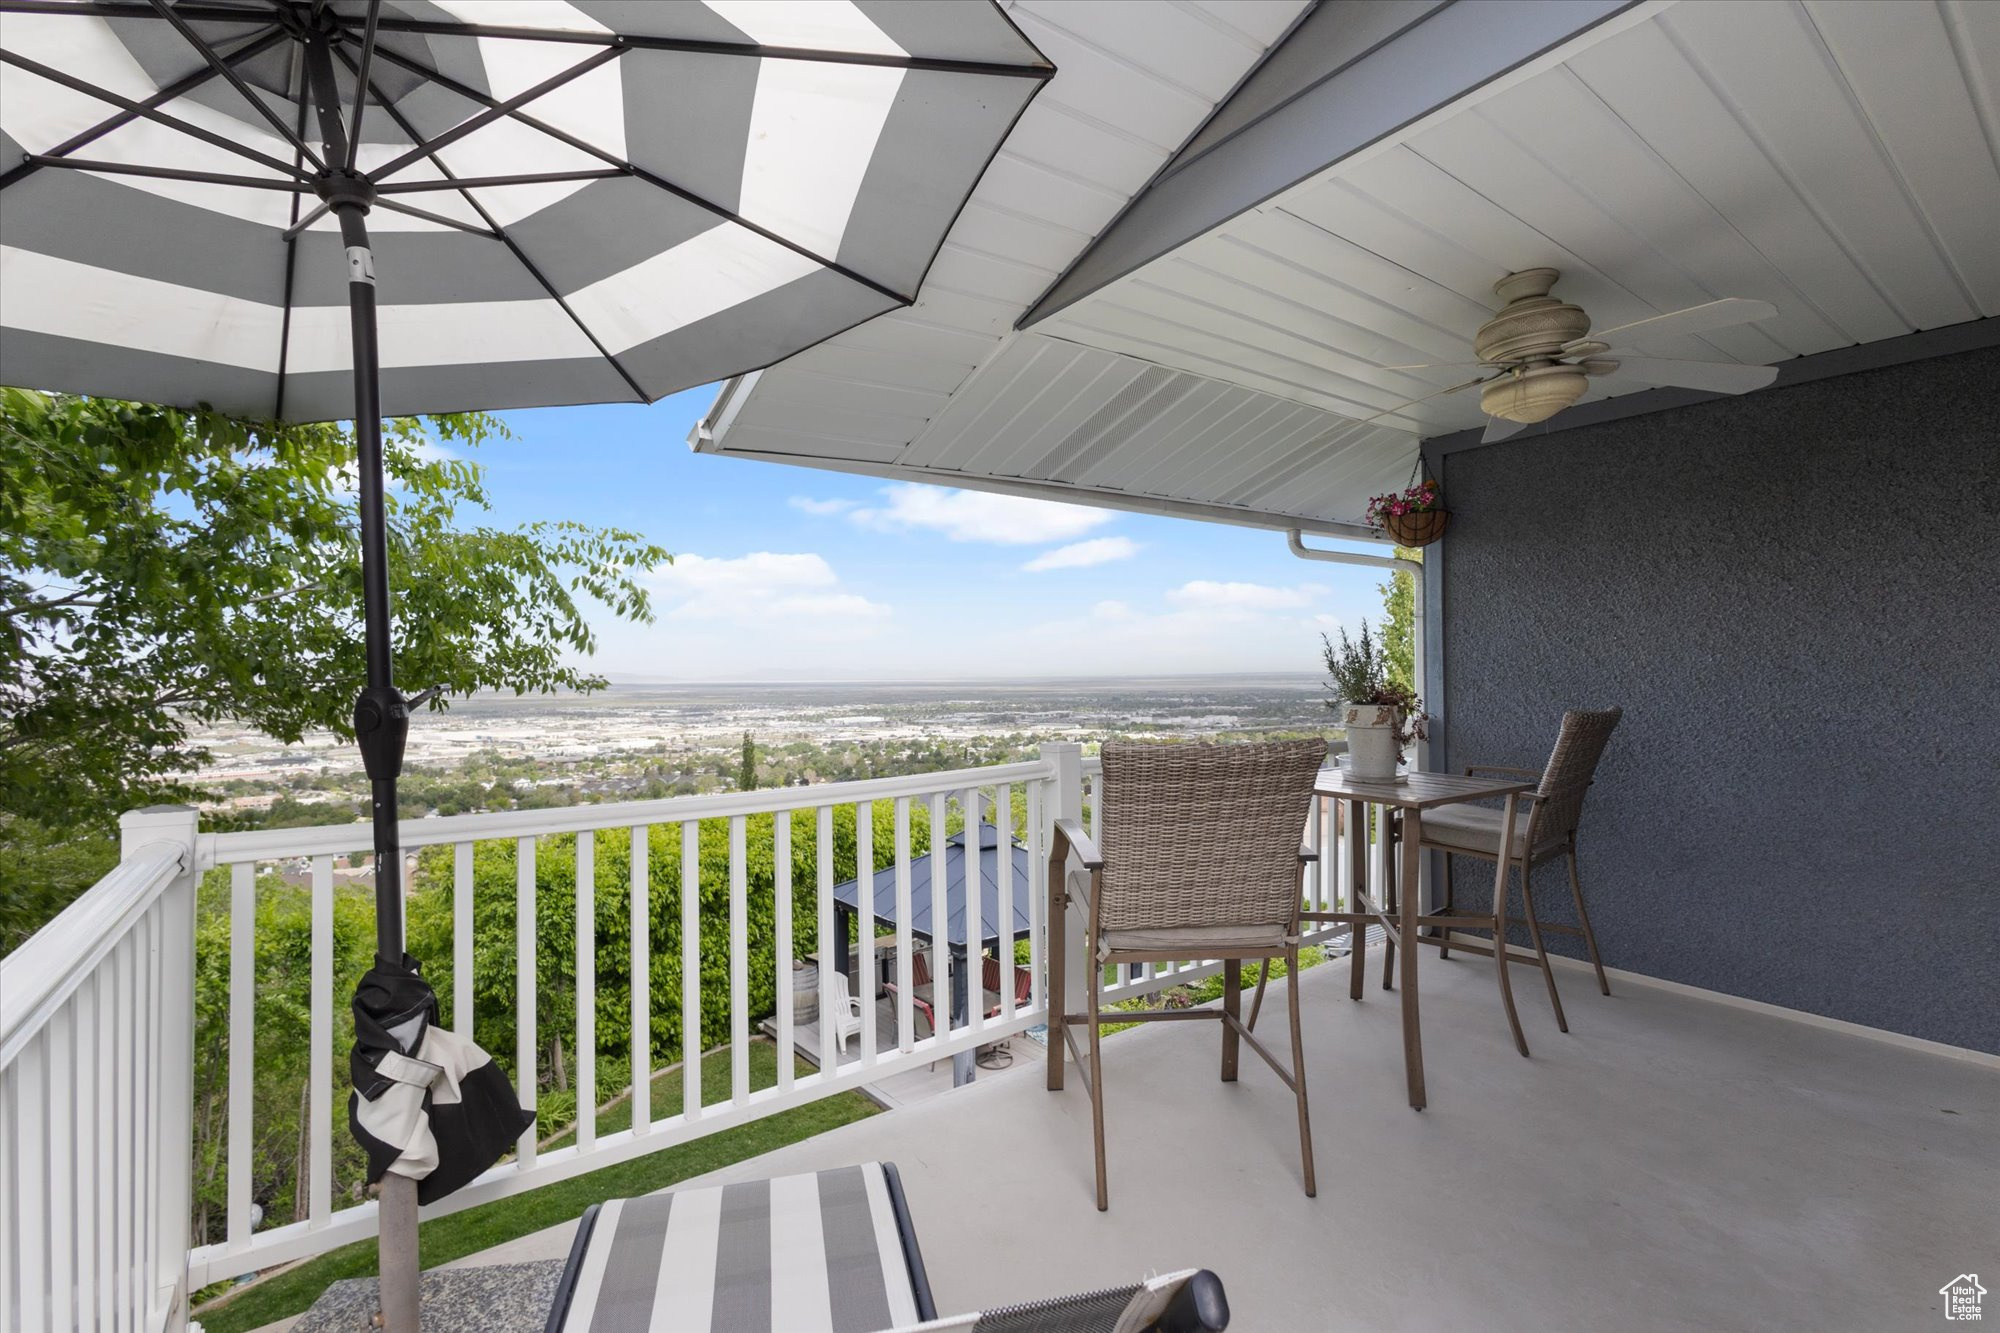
427	1104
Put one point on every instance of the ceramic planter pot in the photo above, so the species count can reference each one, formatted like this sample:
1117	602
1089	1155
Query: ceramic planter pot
1372	750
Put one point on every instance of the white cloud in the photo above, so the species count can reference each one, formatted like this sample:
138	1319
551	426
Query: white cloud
753	589
1209	595
820	507
1082	555
976	516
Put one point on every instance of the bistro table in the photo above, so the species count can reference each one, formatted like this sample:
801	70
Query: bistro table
1412	795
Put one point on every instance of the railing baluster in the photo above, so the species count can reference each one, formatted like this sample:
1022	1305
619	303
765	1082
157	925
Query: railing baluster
62	1198
525	1041
30	1186
691	969
940	923
975	925
1003	851
906	1022
829	1020
242	1043
641	984
1038	873
145	1123
461	940
122	1248
739	964
106	983
866	975
1315	883
319	1205
90	1263
585	1056
13	1208
781	952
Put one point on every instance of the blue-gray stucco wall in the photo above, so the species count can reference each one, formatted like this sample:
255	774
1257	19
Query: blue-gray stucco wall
1795	596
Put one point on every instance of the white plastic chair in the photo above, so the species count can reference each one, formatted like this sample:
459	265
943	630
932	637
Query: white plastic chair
846	1016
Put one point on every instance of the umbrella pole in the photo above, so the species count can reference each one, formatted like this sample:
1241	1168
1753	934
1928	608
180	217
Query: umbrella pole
381	714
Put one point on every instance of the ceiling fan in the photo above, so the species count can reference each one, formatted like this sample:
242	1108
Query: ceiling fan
1540	359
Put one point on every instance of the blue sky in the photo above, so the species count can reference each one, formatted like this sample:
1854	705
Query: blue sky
793	573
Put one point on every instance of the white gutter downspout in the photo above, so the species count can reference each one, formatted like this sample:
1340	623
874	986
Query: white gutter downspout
1295	539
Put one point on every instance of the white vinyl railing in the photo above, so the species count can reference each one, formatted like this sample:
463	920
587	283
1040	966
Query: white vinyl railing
982	793
96	1081
97	1084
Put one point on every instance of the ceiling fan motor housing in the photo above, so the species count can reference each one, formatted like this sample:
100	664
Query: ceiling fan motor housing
1534	393
1534	326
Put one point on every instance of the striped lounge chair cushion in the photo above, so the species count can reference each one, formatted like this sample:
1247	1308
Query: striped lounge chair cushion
830	1252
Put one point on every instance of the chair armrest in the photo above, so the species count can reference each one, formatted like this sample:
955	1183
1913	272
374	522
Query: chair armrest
1474	770
1308	853
1079	843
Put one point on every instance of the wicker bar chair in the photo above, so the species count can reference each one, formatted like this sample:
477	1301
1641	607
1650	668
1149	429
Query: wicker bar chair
1554	811
1201	861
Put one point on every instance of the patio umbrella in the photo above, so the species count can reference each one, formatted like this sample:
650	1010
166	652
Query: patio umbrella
561	203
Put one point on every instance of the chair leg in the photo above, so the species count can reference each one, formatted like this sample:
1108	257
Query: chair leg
1097	1103
1444	950
1057	991
1357	878
1257	1001
1394	894
1583	919
1298	1066
1500	952
1535	934
1232	1005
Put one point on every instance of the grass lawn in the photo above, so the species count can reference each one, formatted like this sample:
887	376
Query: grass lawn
475	1229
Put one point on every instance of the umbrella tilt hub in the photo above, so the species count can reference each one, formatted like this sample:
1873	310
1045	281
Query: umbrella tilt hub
381	728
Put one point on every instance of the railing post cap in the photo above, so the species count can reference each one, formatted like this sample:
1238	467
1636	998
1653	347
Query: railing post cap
155	812
157	823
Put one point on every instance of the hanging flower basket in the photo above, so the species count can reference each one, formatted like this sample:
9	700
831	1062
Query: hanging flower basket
1414	517
1419	528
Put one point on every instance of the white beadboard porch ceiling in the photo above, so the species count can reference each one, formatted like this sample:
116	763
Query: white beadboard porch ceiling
1834	157
946	391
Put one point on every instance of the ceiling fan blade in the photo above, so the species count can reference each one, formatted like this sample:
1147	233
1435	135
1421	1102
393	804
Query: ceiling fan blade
1714	376
1499	428
1726	313
1438	365
1412	402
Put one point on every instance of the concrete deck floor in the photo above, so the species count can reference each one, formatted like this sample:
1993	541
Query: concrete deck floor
1673	1163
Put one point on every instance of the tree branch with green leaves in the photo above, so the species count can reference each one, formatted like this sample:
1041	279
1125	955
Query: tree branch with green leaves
163	570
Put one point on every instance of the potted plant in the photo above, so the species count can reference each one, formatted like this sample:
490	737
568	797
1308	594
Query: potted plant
1414	517
1382	717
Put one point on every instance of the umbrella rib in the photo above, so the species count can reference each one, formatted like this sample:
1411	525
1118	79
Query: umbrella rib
235	80
464	188
438	218
100	9
495	182
361	84
169	173
296	74
693	46
256	46
492	113
292	232
659	182
150	113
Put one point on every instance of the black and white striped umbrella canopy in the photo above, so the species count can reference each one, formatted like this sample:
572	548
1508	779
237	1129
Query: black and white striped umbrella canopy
600	200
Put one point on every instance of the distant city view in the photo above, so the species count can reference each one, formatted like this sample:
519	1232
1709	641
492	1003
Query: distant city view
634	741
